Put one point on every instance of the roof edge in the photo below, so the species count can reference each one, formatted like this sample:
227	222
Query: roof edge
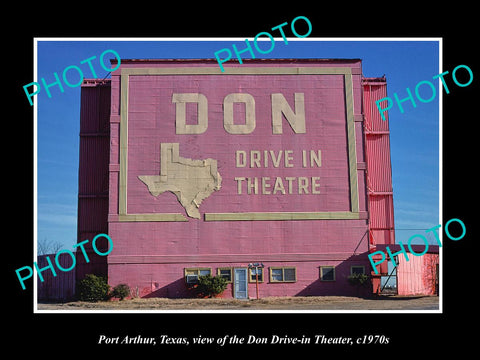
211	60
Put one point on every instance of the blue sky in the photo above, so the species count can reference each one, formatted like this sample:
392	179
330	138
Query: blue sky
414	135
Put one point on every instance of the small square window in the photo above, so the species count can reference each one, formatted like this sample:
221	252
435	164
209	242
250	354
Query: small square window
226	273
253	274
327	273
277	275
289	274
191	279
203	272
357	270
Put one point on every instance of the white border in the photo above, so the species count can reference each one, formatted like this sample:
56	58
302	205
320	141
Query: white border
35	177
440	172
35	217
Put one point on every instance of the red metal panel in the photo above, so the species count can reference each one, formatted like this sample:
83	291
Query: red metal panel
409	275
417	276
374	89
381	210
92	214
379	171
93	170
379	166
430	273
92	164
95	106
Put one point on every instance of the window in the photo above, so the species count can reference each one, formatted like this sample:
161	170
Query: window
357	270
226	273
192	274
283	274
253	274
327	273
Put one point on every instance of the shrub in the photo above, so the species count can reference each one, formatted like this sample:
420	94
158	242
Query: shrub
209	285
360	282
93	288
121	291
359	279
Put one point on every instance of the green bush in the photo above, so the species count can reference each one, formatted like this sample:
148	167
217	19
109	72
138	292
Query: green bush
93	288
121	291
209	285
359	279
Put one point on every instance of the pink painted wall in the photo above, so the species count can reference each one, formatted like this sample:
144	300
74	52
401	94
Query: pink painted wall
151	256
308	283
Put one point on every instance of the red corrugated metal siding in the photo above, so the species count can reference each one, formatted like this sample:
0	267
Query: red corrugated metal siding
430	273
409	275
382	209
97	265
92	215
60	287
94	156
92	194
373	90
418	275
379	170
93	172
95	112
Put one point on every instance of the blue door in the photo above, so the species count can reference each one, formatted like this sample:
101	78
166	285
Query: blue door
241	283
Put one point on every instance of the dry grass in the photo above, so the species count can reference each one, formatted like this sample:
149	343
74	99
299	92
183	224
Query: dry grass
270	303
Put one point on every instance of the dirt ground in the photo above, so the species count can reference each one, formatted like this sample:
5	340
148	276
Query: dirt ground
271	303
